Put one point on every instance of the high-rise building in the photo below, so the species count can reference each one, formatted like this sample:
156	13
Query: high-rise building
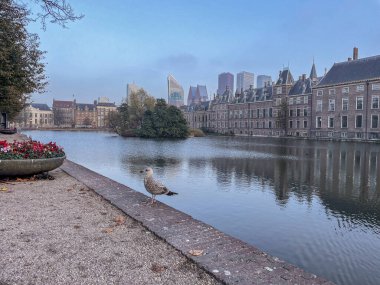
175	92
262	79
131	87
225	81
244	80
197	94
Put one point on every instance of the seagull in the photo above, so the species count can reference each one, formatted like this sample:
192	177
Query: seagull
155	187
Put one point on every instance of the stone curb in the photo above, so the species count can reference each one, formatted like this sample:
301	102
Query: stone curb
230	260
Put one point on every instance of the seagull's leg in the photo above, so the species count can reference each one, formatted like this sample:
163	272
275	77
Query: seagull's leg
152	200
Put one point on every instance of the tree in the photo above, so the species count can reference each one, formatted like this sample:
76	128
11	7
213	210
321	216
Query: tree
138	103
163	122
21	69
283	116
58	11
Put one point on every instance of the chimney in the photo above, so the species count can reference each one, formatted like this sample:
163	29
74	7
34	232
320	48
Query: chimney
355	53
300	77
303	77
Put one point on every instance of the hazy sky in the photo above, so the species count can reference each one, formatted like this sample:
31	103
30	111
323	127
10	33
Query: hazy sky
125	41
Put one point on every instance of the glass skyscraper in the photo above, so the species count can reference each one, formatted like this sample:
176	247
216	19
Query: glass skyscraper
175	92
244	80
262	79
225	80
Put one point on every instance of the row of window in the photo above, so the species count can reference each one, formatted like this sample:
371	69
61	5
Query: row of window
344	122
345	105
346	89
299	100
298	112
41	115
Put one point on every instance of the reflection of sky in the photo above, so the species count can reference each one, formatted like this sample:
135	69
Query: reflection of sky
316	205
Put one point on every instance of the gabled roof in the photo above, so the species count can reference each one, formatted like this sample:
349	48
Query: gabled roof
82	106
202	92
42	107
302	86
285	77
353	70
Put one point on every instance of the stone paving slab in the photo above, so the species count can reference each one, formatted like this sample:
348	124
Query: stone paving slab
230	260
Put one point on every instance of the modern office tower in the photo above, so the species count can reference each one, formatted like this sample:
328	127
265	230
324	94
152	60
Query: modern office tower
244	80
262	79
175	92
197	94
225	81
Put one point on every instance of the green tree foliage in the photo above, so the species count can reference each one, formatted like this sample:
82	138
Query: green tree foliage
163	122
21	69
138	103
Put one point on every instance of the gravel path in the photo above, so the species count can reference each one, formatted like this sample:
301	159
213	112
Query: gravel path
60	232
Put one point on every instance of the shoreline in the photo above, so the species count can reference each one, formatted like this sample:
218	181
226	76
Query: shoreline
228	259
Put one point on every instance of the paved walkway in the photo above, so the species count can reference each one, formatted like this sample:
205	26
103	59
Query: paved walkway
61	232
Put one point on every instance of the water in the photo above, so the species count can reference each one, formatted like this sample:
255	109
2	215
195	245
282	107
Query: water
313	204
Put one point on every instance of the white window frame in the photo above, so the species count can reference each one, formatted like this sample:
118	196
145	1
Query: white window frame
357	100
345	90
375	86
360	88
341	122
377	121
319	106
290	101
331	105
316	122
279	90
332	91
378	102
305	99
298	100
345	99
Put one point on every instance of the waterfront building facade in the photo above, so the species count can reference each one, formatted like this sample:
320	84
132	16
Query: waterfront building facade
35	116
346	100
175	92
343	104
262	80
64	113
244	80
85	115
225	81
103	113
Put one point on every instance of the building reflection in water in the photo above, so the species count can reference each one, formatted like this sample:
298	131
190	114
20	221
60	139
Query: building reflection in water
344	176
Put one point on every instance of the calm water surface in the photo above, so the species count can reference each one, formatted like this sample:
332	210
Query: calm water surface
313	204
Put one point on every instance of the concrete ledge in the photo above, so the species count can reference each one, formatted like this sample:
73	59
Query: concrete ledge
228	259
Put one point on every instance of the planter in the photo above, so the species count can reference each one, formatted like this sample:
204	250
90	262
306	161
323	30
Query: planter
20	167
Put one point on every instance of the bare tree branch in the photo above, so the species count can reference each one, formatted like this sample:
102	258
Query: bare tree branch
56	11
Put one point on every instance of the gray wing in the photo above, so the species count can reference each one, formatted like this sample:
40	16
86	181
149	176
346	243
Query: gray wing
155	187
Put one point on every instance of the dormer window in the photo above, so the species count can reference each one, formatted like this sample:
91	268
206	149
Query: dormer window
375	86
359	88
345	90
331	91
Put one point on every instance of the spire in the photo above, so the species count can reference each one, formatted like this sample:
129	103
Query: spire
313	72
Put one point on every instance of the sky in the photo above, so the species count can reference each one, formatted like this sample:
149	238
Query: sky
141	42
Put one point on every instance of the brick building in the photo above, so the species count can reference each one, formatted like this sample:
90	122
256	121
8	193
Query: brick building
343	104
